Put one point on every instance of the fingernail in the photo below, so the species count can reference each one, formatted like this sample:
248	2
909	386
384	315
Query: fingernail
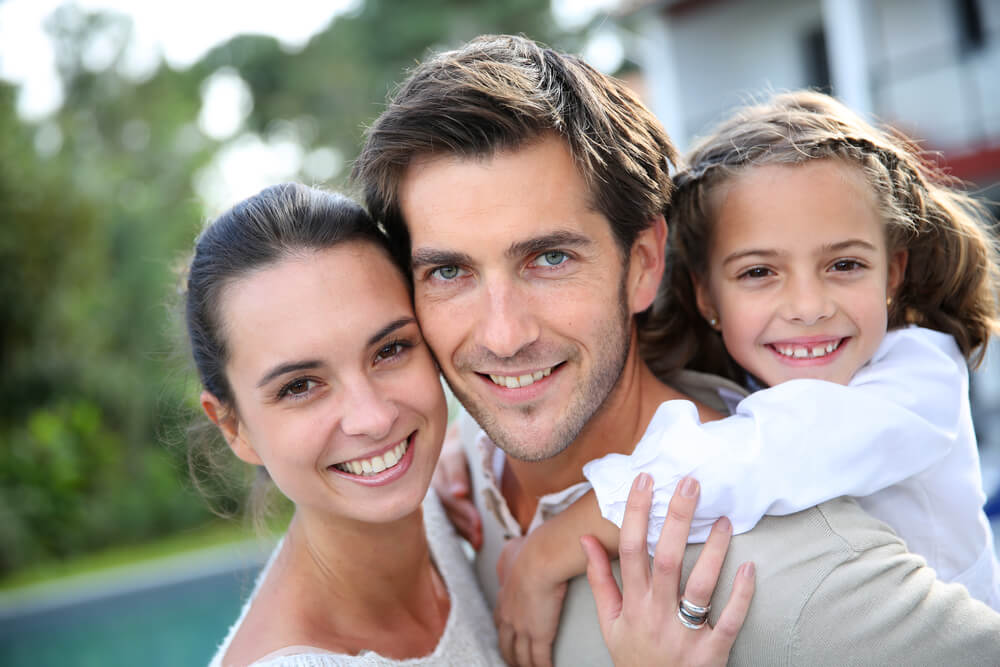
644	481
689	486
748	569
724	524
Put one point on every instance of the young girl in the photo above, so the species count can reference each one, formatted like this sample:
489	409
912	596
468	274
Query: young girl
799	235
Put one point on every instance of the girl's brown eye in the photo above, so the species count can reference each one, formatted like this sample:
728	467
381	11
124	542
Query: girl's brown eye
298	387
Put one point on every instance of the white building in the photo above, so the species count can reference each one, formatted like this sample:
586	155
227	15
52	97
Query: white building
928	67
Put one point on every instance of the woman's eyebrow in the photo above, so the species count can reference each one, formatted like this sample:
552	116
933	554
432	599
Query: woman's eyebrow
288	367
389	328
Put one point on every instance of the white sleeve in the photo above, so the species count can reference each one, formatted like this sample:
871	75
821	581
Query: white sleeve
802	442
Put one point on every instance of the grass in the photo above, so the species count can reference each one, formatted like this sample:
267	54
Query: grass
211	534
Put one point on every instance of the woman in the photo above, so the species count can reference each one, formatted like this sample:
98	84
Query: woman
314	368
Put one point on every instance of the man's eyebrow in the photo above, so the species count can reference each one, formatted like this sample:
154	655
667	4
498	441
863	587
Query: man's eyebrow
559	239
288	367
389	328
433	257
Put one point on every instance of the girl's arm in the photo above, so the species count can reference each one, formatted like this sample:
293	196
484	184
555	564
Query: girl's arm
803	442
533	571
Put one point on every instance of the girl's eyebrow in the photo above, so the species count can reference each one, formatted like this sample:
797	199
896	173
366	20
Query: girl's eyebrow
850	243
756	252
839	246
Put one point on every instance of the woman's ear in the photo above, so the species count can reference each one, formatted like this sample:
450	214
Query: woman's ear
897	271
704	301
646	265
229	425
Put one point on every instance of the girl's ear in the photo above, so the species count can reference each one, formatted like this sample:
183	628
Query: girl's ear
897	271
646	265
229	425
706	304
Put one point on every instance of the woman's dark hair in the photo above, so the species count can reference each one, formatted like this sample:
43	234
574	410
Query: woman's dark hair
279	222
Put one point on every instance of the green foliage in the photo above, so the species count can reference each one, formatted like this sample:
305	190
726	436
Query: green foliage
97	206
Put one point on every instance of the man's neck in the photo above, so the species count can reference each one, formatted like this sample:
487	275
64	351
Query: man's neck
615	429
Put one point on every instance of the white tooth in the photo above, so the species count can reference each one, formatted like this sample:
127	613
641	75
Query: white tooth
525	380
512	383
537	375
801	352
819	351
546	372
390	458
496	379
830	347
366	466
378	465
399	449
787	351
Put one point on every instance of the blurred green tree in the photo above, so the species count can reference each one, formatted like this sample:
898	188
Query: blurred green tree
98	205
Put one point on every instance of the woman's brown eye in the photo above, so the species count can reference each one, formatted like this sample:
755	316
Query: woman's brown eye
298	387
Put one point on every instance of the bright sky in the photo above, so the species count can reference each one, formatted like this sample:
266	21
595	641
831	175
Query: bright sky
180	32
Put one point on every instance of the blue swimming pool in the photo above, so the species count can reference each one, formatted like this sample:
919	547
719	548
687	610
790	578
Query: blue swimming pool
177	622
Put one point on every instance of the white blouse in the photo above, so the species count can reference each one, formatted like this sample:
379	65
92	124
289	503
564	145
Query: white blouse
469	637
899	437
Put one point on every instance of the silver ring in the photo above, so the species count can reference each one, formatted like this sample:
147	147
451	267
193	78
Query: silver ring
691	615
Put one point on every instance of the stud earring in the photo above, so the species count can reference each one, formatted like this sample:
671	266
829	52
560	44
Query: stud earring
713	322
888	302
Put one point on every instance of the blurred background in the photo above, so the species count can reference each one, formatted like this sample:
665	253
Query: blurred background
125	125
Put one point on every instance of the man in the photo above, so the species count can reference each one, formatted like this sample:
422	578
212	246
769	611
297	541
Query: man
528	191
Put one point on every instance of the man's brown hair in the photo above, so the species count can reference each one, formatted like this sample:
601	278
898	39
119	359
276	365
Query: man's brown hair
501	92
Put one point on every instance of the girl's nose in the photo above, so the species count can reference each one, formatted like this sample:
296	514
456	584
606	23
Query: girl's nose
808	302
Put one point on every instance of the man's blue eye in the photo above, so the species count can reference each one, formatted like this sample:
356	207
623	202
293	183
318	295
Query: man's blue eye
553	258
447	272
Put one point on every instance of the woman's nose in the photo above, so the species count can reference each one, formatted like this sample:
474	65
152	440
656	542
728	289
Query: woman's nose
367	412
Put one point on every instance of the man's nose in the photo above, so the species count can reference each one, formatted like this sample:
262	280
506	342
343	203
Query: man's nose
366	410
507	321
808	301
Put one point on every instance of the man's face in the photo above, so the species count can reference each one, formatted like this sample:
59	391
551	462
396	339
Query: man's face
521	291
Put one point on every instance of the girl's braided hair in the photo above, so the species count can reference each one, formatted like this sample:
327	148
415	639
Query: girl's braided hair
951	278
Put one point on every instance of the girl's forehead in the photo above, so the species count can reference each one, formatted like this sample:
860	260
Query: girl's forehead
822	198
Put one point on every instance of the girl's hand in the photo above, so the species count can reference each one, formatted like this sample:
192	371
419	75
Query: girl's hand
640	624
528	607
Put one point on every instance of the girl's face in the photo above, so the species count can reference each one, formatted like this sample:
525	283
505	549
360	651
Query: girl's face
336	392
799	271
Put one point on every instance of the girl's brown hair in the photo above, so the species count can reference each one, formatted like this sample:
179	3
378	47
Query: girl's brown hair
951	278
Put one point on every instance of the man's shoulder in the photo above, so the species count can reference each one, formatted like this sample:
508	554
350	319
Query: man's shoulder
834	585
793	555
713	391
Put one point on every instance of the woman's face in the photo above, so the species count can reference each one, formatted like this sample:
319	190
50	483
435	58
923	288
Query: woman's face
336	393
